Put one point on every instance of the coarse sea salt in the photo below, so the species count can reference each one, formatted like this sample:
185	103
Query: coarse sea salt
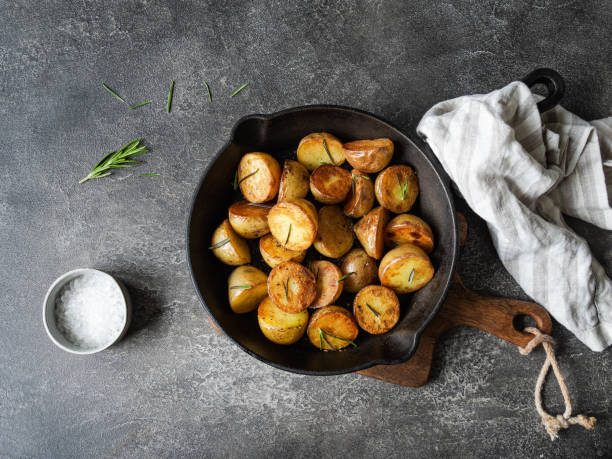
90	311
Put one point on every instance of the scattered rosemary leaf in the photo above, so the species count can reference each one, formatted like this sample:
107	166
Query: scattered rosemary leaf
209	93
239	89
247	176
286	287
153	174
219	244
140	105
235	182
326	340
116	159
411	275
333	163
362	176
376	313
403	186
346	275
170	95
240	287
256	204
113	93
336	337
288	233
320	339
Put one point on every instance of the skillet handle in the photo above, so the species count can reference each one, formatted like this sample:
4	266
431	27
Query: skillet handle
554	83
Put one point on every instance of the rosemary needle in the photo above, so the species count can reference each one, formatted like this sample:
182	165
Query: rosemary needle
241	287
346	275
235	182
116	159
328	153
288	234
247	176
113	93
239	89
140	105
219	244
170	95
411	276
209	93
376	313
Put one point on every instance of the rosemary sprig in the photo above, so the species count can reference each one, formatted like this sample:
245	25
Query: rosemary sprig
170	95
288	233
240	287
209	93
362	176
239	89
333	163
346	275
116	159
323	337
247	176
256	204
235	182
286	287
152	174
403	186
113	93
326	334
219	244
140	105
411	276
376	313
320	339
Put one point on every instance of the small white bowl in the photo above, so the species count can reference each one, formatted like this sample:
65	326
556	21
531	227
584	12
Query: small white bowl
49	312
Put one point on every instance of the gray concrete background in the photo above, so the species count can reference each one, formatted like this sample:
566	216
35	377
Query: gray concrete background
173	387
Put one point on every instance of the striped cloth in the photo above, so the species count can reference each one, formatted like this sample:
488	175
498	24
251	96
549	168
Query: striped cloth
520	171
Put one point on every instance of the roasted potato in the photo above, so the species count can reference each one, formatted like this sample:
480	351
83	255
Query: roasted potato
368	155
370	231
249	220
360	199
397	188
330	184
320	148
228	247
360	270
258	177
291	286
274	253
329	287
294	223
332	328
335	236
405	269
294	181
376	309
279	326
247	286
408	228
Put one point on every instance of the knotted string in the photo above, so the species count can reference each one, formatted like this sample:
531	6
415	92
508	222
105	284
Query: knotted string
562	421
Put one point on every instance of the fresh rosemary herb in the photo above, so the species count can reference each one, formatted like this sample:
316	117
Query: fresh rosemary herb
320	339
239	89
247	176
362	176
235	182
140	105
411	276
346	275
286	287
288	233
116	159
219	244
113	93
170	95
376	313
152	174
322	335
326	334
333	163
256	204
240	287
209	93
403	186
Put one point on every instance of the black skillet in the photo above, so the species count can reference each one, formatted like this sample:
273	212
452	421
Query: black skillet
279	134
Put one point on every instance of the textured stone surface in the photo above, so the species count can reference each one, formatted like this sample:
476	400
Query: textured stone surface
173	387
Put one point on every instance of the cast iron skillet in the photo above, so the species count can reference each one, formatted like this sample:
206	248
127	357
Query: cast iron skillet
279	134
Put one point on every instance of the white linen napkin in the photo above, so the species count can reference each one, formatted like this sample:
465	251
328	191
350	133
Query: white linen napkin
520	170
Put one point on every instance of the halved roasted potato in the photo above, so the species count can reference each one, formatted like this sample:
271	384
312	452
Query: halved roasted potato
320	148
376	309
369	155
294	181
335	236
360	270
330	184
294	223
291	286
370	231
228	246
332	328
405	269
360	199
408	228
274	253
279	326
329	287
249	220
258	176
247	286
397	188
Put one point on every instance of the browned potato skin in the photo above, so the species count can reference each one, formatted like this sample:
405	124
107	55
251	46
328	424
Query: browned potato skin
359	262
395	268
388	189
408	228
274	253
336	321
249	221
370	231
301	286
246	300
360	199
384	301
335	236
236	251
294	181
303	218
329	287
278	326
263	185
369	155
330	184
311	152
